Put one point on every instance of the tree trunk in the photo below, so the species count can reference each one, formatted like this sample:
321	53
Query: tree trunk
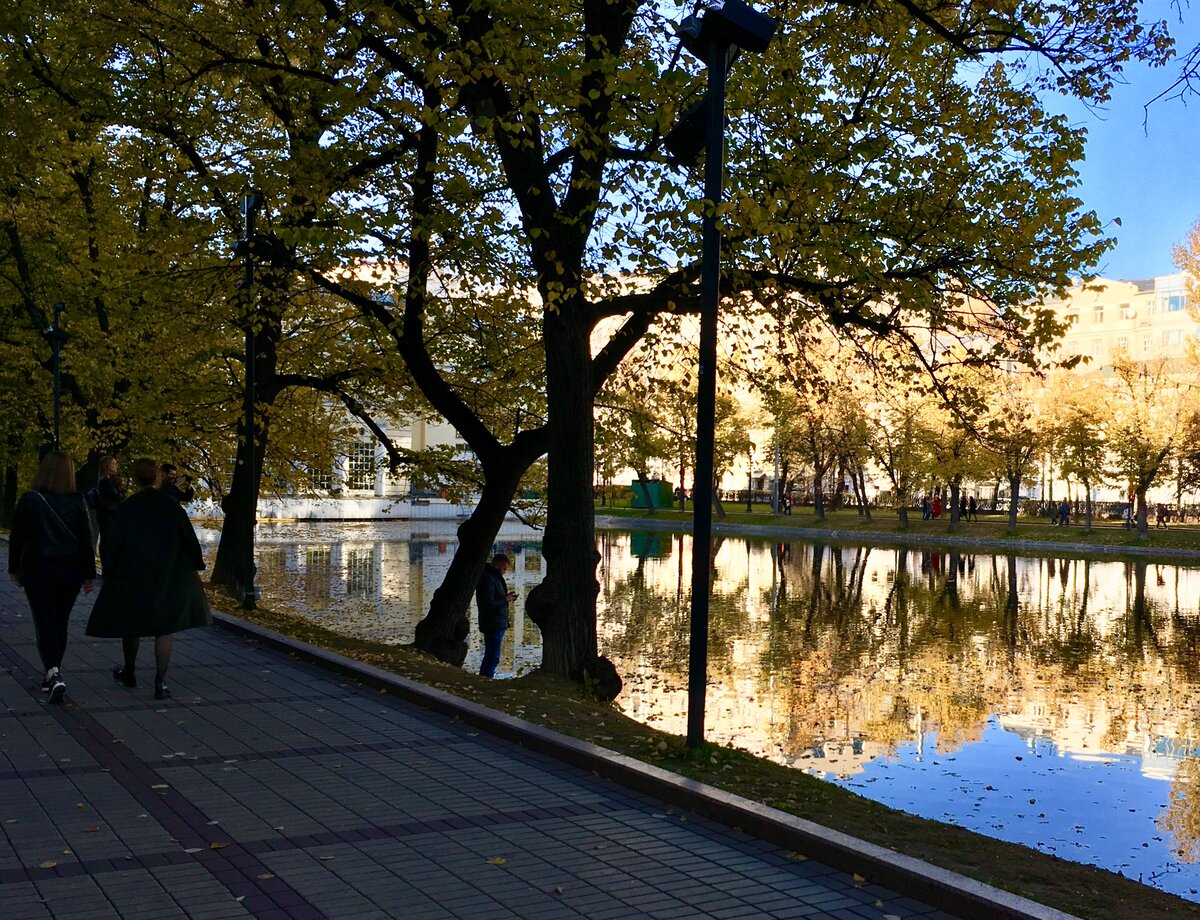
11	487
955	485
860	480
1087	506
1143	515
232	566
716	498
644	480
902	510
1014	484
444	629
819	493
569	637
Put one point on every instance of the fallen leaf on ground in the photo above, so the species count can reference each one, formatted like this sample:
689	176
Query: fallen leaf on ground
217	845
497	860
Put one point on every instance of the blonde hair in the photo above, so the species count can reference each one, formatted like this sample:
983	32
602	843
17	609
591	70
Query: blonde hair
56	474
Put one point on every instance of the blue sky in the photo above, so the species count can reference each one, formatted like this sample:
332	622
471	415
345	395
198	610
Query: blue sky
1143	165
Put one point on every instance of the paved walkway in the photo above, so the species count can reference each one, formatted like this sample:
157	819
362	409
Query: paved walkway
271	788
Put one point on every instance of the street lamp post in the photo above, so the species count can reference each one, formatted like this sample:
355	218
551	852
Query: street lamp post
251	204
57	339
714	38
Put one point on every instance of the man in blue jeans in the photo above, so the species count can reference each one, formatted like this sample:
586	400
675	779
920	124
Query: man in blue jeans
492	597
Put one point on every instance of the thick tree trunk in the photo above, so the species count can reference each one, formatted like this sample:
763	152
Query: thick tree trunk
645	481
955	485
716	498
1143	515
818	493
444	629
569	636
11	487
1087	507
860	480
231	568
1014	483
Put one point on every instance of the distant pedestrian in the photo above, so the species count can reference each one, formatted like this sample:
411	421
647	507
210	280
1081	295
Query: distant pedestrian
937	506
50	555
926	508
1064	513
972	509
962	507
1161	515
152	583
109	493
177	485
1053	514
492	598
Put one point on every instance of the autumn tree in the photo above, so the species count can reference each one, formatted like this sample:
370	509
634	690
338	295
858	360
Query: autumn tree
887	182
1076	417
1148	408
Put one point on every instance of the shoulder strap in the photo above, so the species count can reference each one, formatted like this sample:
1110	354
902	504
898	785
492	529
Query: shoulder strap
61	522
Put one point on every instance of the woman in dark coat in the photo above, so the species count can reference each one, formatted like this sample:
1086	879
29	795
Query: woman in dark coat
110	492
151	586
50	556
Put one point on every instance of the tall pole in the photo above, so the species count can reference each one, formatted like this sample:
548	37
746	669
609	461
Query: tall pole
250	205
56	342
706	396
750	478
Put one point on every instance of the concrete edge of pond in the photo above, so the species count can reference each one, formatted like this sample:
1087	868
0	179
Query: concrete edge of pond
948	891
874	537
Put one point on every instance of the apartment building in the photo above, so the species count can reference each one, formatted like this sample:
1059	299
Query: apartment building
1145	318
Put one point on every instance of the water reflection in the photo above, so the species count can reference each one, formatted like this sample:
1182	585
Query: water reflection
1053	702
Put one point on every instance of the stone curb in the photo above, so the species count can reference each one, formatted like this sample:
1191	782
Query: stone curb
899	539
940	888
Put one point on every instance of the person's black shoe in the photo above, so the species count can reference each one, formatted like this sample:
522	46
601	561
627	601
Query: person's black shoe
58	689
47	682
128	678
161	690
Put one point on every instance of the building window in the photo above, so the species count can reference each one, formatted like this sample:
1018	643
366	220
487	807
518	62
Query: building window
322	480
1173	303
1123	343
1127	311
1098	313
1172	337
361	466
1097	348
1147	342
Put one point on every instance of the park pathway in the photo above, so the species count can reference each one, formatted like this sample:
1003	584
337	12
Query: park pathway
270	787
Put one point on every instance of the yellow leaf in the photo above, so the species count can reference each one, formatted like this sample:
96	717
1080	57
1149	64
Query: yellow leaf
497	860
48	864
218	845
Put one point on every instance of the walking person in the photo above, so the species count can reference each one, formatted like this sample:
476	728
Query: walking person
492	597
1064	513
50	555
972	509
151	584
110	492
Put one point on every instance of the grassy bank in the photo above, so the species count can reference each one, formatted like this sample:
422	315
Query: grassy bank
1107	534
557	704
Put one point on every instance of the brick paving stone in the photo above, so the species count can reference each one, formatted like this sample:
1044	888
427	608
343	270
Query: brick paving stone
329	800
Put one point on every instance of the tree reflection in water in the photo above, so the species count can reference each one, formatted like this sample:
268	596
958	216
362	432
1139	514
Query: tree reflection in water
1050	701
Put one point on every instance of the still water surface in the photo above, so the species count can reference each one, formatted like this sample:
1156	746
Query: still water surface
1050	702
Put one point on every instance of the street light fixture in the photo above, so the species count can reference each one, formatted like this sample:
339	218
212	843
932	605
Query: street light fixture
715	37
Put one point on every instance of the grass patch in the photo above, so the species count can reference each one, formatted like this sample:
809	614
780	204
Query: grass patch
560	705
989	526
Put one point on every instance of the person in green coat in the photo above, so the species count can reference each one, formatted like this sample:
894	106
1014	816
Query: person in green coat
151	584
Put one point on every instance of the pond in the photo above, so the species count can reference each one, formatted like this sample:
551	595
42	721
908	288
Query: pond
1050	702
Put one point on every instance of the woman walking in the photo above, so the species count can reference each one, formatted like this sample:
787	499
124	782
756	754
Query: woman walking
151	586
110	492
50	556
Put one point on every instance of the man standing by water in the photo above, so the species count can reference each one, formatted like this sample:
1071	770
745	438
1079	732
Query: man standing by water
492	597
